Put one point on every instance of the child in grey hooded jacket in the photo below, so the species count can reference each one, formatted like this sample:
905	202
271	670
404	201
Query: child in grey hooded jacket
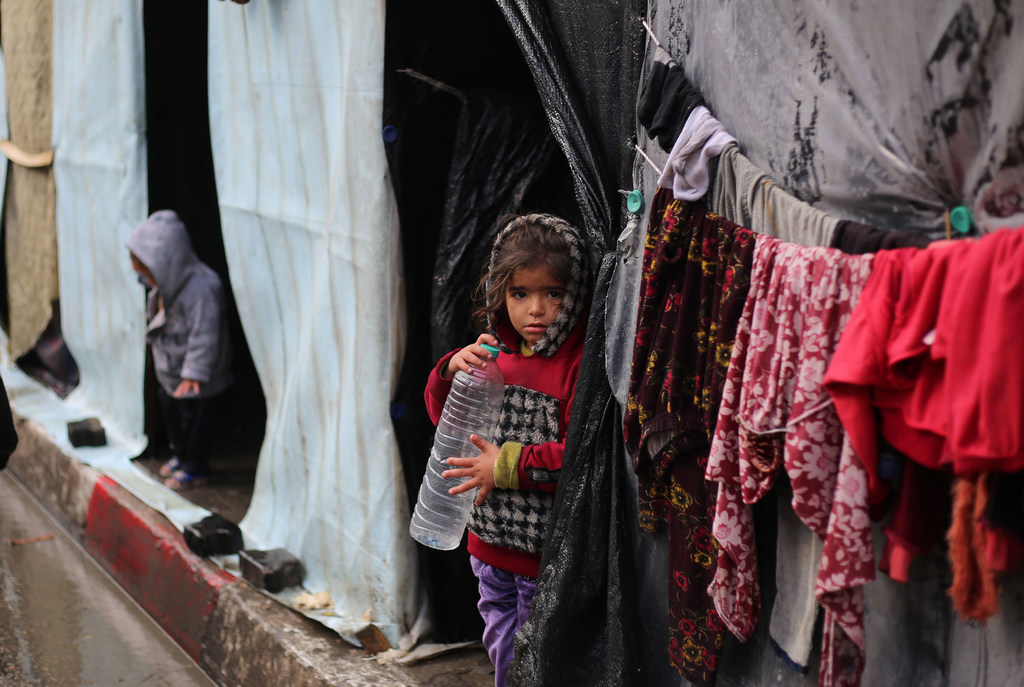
187	332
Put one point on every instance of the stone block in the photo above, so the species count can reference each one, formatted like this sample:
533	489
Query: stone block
214	535
87	432
272	570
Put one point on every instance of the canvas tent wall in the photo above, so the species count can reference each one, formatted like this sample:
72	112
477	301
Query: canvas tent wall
101	173
26	28
307	207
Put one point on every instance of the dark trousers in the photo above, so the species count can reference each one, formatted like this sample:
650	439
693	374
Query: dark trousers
189	423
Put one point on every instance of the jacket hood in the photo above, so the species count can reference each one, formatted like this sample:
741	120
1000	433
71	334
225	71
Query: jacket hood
575	301
162	244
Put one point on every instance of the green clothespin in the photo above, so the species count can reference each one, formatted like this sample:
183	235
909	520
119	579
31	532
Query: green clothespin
960	218
635	202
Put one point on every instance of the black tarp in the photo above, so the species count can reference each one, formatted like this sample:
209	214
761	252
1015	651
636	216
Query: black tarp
583	63
503	148
584	627
445	163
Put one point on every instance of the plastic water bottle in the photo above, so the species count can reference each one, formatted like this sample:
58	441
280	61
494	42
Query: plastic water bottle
472	407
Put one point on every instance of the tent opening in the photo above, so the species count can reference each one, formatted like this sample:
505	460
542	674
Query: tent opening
467	141
181	178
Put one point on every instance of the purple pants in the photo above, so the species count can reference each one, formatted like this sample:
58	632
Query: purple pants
504	605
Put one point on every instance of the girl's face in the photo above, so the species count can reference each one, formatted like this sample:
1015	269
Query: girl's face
533	298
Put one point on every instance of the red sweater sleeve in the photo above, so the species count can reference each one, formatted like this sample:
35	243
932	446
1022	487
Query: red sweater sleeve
437	389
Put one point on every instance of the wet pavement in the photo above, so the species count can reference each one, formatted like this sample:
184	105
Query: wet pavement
63	621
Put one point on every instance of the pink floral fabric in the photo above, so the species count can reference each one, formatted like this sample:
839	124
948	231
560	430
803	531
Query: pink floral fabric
776	414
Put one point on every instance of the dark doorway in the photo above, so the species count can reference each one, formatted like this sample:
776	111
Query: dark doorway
437	159
181	178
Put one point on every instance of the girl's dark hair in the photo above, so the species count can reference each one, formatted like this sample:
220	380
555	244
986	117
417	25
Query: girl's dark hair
525	247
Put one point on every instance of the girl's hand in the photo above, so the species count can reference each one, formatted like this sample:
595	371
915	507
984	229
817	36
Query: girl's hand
473	355
479	469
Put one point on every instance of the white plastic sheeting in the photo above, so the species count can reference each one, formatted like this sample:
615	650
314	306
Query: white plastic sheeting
310	236
100	175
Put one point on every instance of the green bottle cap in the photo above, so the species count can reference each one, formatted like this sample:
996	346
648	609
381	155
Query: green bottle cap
635	202
493	350
960	218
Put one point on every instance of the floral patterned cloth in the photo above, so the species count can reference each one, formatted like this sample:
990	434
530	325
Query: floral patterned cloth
775	414
695	277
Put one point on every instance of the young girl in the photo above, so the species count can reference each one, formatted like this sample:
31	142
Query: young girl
532	306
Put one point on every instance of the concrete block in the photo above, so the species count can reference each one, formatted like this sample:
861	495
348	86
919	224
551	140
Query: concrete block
272	570
212	536
87	432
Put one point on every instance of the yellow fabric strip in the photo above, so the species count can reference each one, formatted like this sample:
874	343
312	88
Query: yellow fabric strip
506	468
15	154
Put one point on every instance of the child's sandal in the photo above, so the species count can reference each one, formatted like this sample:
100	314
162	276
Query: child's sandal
180	479
170	467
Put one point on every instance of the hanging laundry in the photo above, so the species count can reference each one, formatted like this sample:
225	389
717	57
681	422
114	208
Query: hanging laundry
924	362
977	330
936	321
686	171
695	277
863	377
975	590
797	560
917	517
775	415
898	284
857	239
746	195
667	100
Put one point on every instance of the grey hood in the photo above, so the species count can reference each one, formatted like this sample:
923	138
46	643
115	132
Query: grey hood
162	244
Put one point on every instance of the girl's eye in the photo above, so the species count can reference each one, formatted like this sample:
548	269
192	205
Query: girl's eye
555	295
518	294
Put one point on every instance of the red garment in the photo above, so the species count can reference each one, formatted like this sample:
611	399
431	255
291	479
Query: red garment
931	347
919	518
868	371
775	414
934	347
554	377
978	335
1003	551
